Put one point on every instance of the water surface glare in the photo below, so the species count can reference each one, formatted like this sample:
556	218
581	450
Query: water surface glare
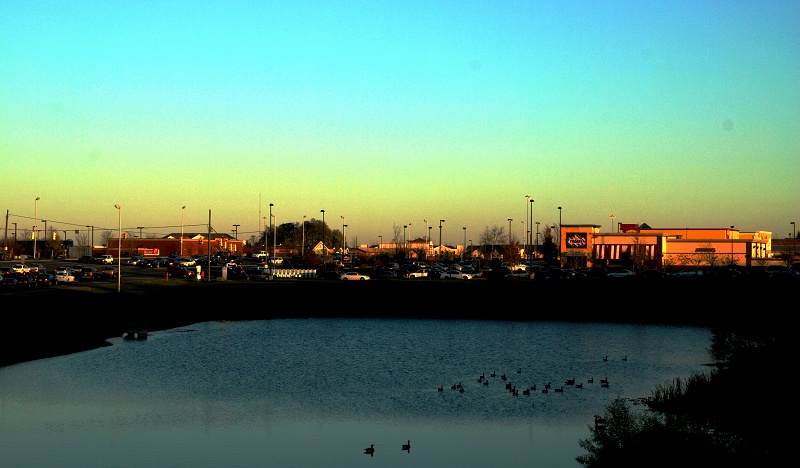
316	392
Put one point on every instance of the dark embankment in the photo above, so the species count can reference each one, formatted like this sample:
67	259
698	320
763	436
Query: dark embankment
67	319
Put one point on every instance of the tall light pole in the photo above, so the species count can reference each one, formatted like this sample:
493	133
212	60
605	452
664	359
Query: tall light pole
323	239
35	219
235	232
612	222
274	234
303	245
380	242
182	210
119	247
530	223
14	249
794	238
343	239
266	244
731	245
536	249
45	231
525	242
465	243
440	238
509	231
428	242
409	237
344	243
559	235
405	227
140	230
87	239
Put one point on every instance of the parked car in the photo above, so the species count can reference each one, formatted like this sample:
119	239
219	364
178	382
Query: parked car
456	274
781	271
651	274
8	282
105	259
44	279
354	276
20	268
109	272
24	280
384	275
89	273
557	274
135	260
86	259
621	273
688	273
65	276
330	275
37	267
420	273
178	271
236	272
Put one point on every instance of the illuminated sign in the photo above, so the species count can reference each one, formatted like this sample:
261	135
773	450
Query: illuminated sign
576	240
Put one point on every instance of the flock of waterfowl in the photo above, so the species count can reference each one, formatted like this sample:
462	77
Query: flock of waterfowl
599	423
545	388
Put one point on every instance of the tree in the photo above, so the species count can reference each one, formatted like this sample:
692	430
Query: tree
496	235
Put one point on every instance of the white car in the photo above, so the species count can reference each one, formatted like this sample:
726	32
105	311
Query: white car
64	275
21	268
354	276
105	259
421	273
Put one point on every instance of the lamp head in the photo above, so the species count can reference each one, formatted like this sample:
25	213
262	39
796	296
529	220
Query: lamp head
117	206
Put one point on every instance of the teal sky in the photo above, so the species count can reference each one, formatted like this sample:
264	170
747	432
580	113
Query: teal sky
673	113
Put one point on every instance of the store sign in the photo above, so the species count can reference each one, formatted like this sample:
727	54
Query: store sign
576	240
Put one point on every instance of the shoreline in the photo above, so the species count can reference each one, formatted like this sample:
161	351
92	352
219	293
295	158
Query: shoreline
72	318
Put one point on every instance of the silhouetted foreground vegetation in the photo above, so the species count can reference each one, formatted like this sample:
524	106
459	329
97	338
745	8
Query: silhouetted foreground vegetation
742	413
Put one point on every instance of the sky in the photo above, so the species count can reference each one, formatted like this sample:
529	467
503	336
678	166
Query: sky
383	114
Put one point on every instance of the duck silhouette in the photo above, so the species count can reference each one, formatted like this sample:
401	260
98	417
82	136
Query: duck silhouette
370	450
625	358
605	358
407	446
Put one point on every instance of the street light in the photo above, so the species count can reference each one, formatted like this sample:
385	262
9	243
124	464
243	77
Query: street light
536	249
274	234
405	226
440	238
509	231
323	240
525	242
530	223
266	244
303	246
612	222
119	247
559	234
35	217
380	242
794	238
235	233
465	243
182	209
731	245
343	238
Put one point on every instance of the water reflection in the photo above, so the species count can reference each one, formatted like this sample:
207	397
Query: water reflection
317	392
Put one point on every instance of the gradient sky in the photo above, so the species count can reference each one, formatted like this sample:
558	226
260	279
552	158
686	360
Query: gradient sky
673	113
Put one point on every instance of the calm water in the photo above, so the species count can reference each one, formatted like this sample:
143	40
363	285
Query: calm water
317	392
